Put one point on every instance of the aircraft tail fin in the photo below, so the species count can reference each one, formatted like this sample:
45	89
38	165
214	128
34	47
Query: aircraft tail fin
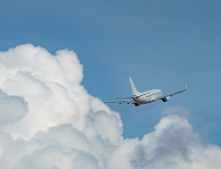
135	92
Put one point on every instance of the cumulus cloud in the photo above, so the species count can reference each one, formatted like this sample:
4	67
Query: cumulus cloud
49	121
12	108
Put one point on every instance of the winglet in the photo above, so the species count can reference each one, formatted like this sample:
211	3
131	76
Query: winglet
186	86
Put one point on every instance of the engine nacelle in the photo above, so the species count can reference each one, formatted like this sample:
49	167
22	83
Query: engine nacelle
165	99
136	104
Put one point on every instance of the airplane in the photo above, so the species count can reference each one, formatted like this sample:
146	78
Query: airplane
140	98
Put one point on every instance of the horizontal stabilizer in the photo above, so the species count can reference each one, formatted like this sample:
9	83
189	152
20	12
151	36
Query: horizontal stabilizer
128	102
124	98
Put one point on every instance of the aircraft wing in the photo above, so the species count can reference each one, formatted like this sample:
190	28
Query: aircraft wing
128	102
174	93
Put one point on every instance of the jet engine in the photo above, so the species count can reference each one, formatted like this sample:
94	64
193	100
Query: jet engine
136	104
165	99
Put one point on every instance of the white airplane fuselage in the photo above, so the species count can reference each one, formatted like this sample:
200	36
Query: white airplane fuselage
140	98
148	96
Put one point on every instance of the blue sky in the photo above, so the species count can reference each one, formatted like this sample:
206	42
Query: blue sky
160	44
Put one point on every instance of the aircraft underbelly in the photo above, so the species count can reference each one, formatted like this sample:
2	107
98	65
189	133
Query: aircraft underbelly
148	96
144	100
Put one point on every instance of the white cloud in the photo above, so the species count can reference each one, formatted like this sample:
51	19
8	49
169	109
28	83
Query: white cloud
49	121
12	108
